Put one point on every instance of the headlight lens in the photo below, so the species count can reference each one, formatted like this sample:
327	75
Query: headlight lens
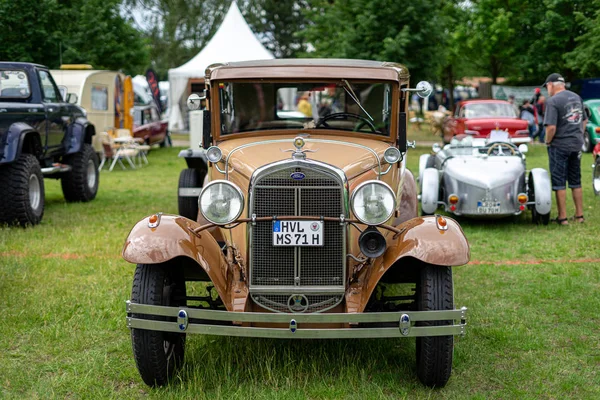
373	202
221	202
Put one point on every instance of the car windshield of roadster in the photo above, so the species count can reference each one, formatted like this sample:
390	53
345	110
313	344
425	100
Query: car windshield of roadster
486	110
342	105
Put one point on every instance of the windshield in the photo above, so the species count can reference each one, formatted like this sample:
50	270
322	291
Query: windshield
14	84
486	110
343	105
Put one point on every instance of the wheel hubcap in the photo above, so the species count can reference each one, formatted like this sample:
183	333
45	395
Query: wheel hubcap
91	174
35	192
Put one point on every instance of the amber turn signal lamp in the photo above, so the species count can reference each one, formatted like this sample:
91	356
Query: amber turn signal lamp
153	218
453	199
597	129
522	198
441	221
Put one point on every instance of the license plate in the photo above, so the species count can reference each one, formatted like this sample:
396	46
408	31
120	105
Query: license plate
297	233
488	207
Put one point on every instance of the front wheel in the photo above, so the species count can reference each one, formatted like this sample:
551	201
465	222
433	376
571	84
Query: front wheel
81	182
434	353
158	355
22	192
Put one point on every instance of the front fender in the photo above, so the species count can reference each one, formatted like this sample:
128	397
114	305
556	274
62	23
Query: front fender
542	190
420	239
79	132
173	238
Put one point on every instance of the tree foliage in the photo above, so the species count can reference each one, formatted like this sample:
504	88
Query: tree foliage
276	23
87	31
177	29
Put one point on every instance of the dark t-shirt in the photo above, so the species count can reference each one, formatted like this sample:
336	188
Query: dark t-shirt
565	110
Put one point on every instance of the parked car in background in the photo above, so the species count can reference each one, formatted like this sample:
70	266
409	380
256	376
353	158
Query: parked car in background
483	178
304	222
41	136
479	118
592	134
148	125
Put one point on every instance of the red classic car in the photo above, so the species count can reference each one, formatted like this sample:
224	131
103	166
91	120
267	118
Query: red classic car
147	125
480	118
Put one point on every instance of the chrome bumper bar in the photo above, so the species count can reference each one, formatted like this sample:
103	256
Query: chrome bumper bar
403	319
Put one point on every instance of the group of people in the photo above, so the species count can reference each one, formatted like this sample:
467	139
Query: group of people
533	111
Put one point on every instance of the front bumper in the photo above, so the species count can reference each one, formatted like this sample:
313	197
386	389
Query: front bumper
222	323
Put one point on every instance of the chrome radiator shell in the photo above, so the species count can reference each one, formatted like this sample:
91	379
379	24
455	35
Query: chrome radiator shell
287	271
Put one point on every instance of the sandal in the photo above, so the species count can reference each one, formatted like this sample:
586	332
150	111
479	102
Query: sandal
561	221
579	218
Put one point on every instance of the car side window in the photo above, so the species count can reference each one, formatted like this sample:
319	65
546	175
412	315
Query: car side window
50	92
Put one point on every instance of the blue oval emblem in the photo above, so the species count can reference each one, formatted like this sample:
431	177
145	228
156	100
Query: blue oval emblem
297	176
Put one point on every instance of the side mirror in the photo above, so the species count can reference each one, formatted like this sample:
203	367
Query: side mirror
436	148
423	89
523	148
72	98
194	101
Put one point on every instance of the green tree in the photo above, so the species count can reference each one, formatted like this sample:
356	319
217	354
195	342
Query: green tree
177	29
100	36
91	32
276	23
585	58
391	30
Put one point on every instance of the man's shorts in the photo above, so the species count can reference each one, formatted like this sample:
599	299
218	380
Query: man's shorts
565	166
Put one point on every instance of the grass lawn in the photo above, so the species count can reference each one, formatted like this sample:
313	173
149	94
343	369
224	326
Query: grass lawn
532	293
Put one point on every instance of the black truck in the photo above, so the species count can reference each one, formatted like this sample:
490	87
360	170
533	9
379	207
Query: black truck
41	135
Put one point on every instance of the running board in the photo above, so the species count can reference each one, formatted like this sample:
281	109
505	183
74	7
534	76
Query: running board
56	168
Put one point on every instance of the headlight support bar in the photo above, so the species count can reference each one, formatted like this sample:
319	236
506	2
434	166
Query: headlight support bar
353	222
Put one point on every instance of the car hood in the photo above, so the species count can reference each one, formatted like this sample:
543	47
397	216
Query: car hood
352	155
485	172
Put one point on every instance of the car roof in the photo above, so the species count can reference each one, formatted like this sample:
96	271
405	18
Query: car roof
324	68
19	64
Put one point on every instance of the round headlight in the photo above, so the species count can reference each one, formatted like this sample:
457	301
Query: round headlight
392	155
373	202
221	202
214	154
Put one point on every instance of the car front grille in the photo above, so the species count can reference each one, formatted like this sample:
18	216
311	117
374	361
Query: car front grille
275	193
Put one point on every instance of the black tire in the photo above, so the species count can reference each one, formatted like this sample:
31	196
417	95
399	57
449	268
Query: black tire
81	183
587	147
188	206
158	355
22	194
434	353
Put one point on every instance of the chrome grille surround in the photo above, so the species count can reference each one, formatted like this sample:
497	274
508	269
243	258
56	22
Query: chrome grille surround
275	273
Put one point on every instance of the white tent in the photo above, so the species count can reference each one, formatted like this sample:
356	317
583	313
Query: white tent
233	41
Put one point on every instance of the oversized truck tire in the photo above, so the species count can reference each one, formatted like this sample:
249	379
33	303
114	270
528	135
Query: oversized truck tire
158	355
434	353
22	194
81	183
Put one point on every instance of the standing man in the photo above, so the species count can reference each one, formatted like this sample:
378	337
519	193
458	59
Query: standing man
565	123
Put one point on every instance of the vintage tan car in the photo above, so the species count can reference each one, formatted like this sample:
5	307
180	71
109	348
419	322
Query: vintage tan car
307	224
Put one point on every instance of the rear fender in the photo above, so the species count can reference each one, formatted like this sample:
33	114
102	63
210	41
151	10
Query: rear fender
422	241
542	190
79	132
21	137
173	238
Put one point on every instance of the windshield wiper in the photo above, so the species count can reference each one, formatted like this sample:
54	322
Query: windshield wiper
351	93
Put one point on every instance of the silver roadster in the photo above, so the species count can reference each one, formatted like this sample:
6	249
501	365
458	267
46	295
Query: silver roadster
483	178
